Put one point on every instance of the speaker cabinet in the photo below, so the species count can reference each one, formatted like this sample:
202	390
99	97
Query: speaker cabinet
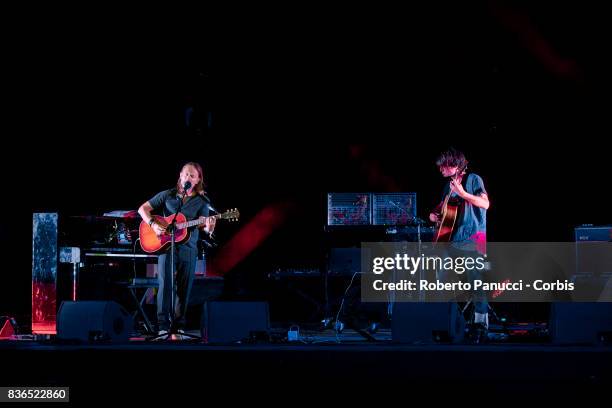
93	321
580	322
227	322
413	322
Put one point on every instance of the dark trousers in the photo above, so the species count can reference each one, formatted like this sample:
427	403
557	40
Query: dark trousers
478	296
185	259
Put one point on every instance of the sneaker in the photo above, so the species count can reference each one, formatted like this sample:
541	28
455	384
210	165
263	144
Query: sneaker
326	323
339	326
161	335
180	335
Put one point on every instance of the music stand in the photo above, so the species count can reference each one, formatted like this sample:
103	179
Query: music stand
172	228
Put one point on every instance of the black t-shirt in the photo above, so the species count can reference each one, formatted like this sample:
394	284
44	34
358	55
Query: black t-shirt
195	207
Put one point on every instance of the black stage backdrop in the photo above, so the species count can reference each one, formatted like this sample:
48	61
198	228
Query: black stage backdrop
281	110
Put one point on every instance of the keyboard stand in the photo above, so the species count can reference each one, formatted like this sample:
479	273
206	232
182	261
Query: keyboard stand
133	287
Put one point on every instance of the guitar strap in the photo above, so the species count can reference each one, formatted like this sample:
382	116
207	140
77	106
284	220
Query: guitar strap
464	182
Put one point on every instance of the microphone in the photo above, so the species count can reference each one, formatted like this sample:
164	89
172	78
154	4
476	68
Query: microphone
186	187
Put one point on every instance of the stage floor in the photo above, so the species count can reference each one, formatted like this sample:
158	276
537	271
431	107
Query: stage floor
323	368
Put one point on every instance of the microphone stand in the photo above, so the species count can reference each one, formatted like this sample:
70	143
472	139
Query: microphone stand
172	229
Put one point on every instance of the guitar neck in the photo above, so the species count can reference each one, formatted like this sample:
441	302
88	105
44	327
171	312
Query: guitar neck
195	222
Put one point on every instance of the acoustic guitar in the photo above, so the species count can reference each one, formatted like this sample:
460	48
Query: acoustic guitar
450	210
150	242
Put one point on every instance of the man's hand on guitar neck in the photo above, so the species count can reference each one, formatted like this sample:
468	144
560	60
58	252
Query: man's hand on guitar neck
456	187
481	200
209	224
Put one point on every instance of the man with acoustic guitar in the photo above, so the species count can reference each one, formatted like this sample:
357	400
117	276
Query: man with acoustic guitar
190	190
462	220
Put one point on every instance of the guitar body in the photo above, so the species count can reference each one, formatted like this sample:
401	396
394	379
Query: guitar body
151	243
450	210
447	222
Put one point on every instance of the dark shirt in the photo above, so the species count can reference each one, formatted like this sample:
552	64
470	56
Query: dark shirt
471	224
195	207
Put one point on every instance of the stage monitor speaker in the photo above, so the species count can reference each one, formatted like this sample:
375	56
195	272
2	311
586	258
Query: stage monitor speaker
413	322
580	322
228	322
93	321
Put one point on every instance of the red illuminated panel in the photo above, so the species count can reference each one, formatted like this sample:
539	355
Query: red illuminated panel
43	308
